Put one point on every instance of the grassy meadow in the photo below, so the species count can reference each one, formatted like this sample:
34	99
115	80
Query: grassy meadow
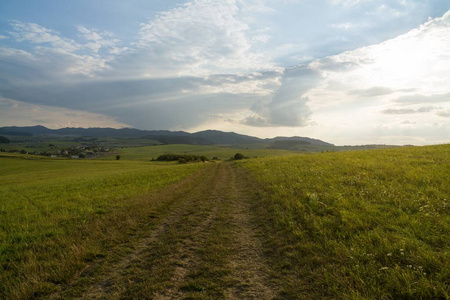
358	225
223	153
370	224
57	214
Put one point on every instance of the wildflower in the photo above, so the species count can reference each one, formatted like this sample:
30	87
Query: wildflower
389	254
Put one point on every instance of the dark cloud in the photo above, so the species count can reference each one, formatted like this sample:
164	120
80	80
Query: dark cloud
289	106
154	103
372	92
331	64
422	99
398	111
402	111
178	113
255	121
444	113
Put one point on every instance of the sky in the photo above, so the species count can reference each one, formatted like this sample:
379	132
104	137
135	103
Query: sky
348	72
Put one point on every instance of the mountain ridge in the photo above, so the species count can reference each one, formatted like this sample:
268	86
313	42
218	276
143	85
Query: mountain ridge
206	137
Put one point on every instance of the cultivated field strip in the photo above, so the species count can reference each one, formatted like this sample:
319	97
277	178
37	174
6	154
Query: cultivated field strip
202	246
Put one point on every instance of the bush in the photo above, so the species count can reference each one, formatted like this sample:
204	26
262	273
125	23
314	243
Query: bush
238	156
117	157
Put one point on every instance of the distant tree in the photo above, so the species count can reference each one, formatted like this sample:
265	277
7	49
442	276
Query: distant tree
4	140
117	157
185	157
238	156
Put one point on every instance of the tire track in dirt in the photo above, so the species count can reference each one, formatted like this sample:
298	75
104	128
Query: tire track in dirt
204	245
249	268
116	281
190	258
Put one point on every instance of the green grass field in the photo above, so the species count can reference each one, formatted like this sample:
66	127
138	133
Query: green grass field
360	225
55	214
346	225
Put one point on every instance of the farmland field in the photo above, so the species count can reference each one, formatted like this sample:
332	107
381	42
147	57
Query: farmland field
223	153
50	211
350	225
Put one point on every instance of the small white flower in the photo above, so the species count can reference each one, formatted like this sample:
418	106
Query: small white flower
389	254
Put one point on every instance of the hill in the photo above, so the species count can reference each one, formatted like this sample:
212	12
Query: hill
208	137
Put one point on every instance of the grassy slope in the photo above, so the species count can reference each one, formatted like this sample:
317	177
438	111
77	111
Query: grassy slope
147	153
56	214
368	224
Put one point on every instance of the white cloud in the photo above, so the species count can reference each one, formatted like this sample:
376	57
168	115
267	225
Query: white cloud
344	26
199	38
37	34
97	40
53	57
349	3
417	60
46	65
363	93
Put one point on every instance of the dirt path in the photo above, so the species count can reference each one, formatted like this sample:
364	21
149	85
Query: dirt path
202	246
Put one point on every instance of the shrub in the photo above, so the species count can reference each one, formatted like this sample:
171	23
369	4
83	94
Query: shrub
117	157
238	156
